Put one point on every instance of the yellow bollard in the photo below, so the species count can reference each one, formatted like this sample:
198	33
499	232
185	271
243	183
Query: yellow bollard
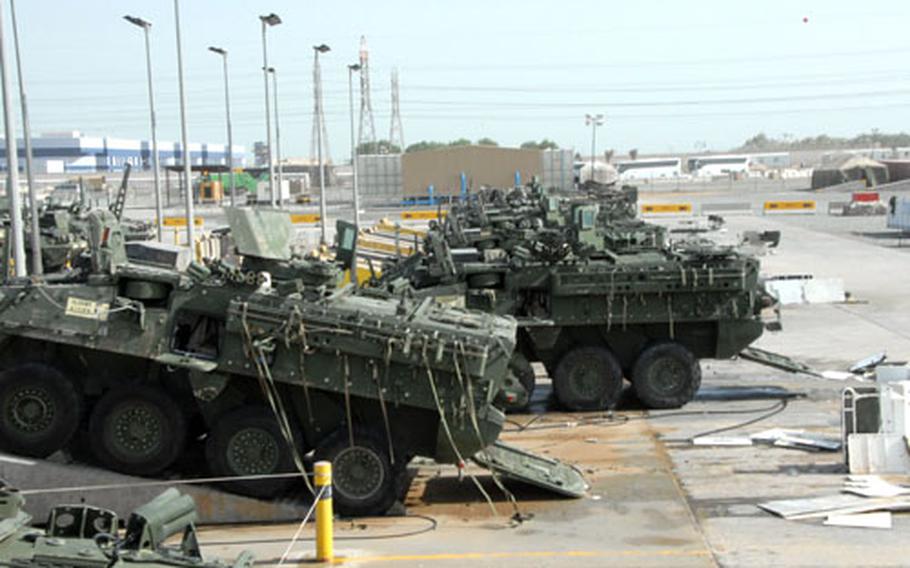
325	549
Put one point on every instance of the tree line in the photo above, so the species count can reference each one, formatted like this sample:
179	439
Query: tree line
386	147
761	142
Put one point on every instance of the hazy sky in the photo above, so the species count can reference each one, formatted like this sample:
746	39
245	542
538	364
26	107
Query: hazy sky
669	76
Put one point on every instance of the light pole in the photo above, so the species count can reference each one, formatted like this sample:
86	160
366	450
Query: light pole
37	264
593	120
317	49
146	26
188	185
12	165
269	20
227	110
277	131
351	70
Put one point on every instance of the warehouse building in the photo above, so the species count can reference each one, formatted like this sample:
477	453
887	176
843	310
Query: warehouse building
72	151
453	170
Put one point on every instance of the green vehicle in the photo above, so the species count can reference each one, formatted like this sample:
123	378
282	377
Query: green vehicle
266	360
599	295
87	536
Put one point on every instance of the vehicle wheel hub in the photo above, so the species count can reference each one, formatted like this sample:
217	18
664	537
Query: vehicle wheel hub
668	375
137	430
358	472
31	410
587	379
253	451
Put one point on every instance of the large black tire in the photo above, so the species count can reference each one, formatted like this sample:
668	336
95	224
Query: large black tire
39	410
588	378
666	375
364	482
137	430
248	441
520	374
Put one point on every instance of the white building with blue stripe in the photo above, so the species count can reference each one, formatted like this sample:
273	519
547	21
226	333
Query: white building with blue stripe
72	151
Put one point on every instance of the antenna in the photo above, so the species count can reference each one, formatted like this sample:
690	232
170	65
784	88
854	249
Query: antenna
367	127
396	133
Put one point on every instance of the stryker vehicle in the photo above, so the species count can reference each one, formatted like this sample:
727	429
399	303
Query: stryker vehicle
599	296
86	536
267	361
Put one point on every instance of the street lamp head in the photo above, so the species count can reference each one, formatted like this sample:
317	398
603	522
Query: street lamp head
218	50
138	22
354	67
270	70
270	19
323	48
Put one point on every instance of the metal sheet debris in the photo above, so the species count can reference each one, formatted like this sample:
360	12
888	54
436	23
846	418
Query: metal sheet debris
722	441
776	361
815	507
873	486
880	520
838	375
868	363
797	439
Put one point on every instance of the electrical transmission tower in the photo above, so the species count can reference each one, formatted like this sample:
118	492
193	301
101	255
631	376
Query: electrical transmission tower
367	127
396	132
319	145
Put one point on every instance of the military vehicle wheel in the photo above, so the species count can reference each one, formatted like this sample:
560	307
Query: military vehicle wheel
666	375
248	441
588	378
40	410
364	482
137	430
521	374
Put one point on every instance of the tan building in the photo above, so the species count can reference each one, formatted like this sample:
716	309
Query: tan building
481	165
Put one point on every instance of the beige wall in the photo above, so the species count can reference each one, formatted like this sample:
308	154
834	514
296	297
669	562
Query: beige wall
483	165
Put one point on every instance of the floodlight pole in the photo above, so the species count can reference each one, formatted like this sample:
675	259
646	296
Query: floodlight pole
188	180
351	70
37	264
277	132
146	26
12	165
268	20
227	111
323	209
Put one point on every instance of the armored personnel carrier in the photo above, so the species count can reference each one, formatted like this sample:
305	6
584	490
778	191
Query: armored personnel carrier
87	536
267	360
599	295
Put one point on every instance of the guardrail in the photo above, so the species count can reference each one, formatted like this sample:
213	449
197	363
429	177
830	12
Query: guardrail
304	218
423	215
666	209
807	206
